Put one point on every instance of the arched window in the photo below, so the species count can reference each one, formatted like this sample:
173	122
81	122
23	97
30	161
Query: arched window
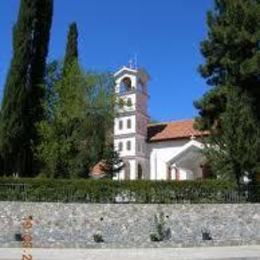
121	103
129	102
120	126
129	123
125	85
128	145
139	172
120	146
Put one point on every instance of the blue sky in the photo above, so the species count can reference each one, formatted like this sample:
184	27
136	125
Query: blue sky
165	35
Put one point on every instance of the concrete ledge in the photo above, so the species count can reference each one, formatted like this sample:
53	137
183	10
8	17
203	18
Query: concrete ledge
216	253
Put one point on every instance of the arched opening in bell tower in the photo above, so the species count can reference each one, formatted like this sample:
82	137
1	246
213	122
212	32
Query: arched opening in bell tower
125	85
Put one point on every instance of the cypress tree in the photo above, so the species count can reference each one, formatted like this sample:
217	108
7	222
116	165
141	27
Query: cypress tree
71	54
21	106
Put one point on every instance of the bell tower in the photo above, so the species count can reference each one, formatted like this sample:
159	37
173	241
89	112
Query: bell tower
130	123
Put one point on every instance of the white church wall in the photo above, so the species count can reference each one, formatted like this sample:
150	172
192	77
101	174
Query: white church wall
125	151
125	129
132	169
160	154
127	108
119	80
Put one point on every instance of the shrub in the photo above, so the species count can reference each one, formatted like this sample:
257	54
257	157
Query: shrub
160	228
98	238
108	191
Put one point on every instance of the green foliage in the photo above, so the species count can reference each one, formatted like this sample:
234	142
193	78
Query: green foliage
230	110
21	106
236	142
112	163
74	136
160	228
53	75
232	57
121	103
108	191
71	54
98	238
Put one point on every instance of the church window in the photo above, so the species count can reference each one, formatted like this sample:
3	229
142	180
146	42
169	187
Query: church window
120	146
129	102
129	123
128	145
120	125
121	103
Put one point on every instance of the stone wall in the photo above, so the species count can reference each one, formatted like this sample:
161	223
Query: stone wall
128	225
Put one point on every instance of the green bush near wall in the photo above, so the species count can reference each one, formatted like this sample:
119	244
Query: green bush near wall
108	191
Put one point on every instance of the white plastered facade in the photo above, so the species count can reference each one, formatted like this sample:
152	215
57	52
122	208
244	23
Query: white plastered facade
179	159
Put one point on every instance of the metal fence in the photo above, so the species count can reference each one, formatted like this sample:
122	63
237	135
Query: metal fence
26	192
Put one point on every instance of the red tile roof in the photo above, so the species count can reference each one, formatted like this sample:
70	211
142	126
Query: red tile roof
97	170
173	130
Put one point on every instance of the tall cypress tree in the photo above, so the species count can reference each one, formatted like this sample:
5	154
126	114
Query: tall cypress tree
21	106
71	54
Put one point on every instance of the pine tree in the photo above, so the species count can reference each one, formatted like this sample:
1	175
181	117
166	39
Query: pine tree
233	149
230	110
21	106
111	162
71	54
232	55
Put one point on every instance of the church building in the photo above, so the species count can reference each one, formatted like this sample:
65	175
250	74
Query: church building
161	151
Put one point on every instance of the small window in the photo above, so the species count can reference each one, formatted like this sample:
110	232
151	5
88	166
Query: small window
121	103
120	146
128	145
129	123
120	125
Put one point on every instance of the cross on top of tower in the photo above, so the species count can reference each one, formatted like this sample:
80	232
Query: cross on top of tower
132	63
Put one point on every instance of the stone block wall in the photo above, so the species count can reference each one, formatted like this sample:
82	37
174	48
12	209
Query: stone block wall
130	225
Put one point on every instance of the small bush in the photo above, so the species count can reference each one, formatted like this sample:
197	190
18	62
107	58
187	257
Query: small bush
154	238
98	238
160	228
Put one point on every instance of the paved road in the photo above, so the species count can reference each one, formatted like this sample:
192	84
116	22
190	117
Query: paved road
209	253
